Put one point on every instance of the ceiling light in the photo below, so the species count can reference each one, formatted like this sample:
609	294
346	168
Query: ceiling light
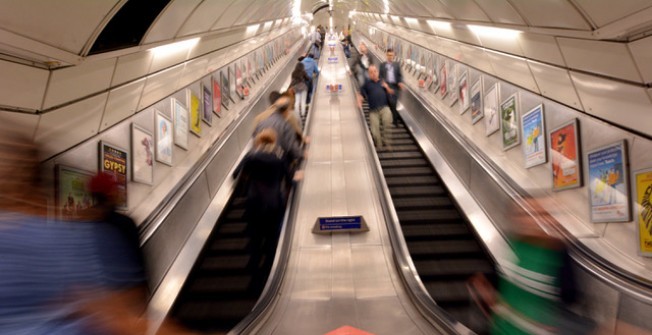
494	32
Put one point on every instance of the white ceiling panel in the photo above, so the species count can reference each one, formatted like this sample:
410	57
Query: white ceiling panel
22	86
512	69
162	60
231	14
555	83
122	103
204	17
436	9
475	57
623	104
603	12
171	19
614	59
160	85
551	13
499	43
193	71
642	52
56	23
78	81
132	66
501	11
542	48
23	123
465	10
65	127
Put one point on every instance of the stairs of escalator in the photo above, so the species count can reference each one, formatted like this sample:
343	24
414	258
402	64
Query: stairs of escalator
442	245
224	285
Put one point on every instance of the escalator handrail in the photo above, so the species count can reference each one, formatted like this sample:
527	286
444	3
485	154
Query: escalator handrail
432	312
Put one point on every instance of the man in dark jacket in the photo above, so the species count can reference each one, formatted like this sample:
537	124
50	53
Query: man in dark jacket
390	72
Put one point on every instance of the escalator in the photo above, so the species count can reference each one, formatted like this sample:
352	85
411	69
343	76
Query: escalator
443	246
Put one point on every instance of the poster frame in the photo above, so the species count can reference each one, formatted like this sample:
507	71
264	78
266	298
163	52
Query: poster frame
638	209
135	163
122	205
59	198
533	161
625	215
575	128
517	124
160	156
476	94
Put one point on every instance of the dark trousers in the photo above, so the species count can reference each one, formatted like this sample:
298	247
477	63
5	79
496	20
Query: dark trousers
309	84
392	100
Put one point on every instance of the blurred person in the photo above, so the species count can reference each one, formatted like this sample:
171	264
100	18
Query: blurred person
376	92
312	70
298	83
390	72
285	132
316	40
533	292
265	169
274	96
361	64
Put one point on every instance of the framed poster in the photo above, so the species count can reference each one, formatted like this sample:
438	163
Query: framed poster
113	160
163	139
232	90
463	93
475	102
142	155
491	116
217	96
608	183
443	79
239	85
565	156
250	70
509	122
643	209
192	100
72	194
451	74
180	117
533	125
207	105
225	89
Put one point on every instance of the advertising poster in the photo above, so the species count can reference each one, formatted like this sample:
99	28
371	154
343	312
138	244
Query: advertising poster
463	93
435	74
443	79
643	205
180	117
225	89
207	105
476	102
533	126
72	194
491	119
565	156
608	183
238	81
509	122
452	82
217	96
232	85
163	139
142	155
195	112
113	161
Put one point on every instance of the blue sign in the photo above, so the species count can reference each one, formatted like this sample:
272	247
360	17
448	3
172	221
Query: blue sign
333	59
340	223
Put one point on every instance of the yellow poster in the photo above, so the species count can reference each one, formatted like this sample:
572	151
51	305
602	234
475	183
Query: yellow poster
643	184
195	113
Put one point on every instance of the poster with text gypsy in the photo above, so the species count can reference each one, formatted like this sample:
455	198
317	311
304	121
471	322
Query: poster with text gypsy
113	160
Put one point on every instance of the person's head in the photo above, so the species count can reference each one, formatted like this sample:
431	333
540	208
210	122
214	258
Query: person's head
266	136
390	55
373	72
310	55
283	103
104	188
363	48
273	96
299	67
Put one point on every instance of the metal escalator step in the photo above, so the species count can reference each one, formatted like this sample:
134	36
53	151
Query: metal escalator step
213	311
420	202
211	285
412	180
416	191
238	202
230	244
402	141
420	216
232	228
235	214
429	231
449	292
407	171
402	148
390	163
451	268
398	155
225	262
443	248
400	136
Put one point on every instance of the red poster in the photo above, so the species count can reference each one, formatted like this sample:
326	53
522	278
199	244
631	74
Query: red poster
217	96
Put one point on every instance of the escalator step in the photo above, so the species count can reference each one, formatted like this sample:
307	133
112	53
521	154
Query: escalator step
225	263
230	244
212	285
419	249
403	148
412	180
235	214
402	141
215	311
399	155
414	232
406	171
400	136
402	204
451	268
449	292
416	191
232	228
407	217
389	163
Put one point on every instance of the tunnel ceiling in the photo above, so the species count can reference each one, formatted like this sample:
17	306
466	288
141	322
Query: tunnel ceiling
64	31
